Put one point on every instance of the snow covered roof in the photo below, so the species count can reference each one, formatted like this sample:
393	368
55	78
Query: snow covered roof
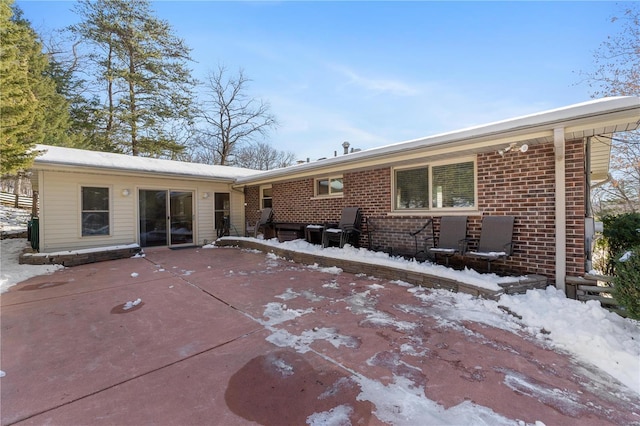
601	116
592	118
59	156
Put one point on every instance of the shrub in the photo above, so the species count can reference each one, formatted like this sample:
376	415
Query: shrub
626	282
621	233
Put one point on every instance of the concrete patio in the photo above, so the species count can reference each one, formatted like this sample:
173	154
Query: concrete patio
228	337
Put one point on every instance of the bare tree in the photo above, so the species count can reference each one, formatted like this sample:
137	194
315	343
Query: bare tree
617	72
231	117
262	156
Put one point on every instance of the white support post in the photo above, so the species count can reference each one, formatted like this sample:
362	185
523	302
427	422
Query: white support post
561	209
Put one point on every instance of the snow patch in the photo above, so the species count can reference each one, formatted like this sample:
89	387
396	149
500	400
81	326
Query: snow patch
131	304
278	313
337	416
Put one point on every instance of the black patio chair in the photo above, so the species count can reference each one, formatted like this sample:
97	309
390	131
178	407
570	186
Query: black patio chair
452	238
348	230
496	239
426	233
265	222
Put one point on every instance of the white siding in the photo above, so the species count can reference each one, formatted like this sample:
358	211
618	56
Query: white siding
60	207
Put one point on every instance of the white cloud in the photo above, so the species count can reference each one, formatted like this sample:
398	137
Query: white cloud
375	85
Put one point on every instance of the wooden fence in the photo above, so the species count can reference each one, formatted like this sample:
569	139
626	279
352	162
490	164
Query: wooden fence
10	200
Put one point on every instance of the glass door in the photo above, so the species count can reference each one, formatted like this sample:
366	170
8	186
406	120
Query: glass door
153	218
166	217
222	210
181	216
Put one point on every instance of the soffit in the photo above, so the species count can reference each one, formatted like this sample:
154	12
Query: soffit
600	158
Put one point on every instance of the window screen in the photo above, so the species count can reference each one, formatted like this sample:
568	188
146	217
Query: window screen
453	185
95	211
412	188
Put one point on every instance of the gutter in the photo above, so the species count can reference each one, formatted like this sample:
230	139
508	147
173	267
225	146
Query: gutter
55	166
522	126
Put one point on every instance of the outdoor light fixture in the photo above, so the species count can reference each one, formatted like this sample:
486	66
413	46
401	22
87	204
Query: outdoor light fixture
205	195
512	147
125	192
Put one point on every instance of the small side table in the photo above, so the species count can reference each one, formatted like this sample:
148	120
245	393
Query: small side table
313	233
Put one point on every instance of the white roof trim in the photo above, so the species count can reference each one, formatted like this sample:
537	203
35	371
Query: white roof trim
520	126
583	116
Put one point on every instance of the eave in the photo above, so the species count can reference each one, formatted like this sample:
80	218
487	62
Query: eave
603	116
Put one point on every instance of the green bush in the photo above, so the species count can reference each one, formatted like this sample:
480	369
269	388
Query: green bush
626	282
621	233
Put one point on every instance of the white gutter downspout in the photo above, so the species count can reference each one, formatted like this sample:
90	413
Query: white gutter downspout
561	209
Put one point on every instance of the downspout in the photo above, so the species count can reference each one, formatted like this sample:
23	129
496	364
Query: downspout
561	209
587	178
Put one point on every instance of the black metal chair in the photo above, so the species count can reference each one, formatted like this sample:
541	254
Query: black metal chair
496	239
348	230
426	232
265	222
452	238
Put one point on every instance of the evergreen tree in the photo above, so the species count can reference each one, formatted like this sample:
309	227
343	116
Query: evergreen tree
140	75
31	111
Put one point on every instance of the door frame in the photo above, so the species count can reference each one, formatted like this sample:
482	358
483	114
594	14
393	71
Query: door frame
167	214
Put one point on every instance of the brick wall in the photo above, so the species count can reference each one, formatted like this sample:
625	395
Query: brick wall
517	184
252	204
576	211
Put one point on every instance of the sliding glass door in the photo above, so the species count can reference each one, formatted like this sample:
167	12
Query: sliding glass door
166	217
181	217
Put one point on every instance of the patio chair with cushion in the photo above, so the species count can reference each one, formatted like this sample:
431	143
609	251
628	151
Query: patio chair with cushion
496	239
265	223
452	238
348	230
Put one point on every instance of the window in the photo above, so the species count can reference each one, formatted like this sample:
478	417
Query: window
329	186
95	211
266	197
412	188
438	186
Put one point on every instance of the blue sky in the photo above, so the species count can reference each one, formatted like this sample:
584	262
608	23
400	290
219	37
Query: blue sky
376	73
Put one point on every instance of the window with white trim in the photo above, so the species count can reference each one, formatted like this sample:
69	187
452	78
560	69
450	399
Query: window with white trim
266	197
435	186
95	210
329	186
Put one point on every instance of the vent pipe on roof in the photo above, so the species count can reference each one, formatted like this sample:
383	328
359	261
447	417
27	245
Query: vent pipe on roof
346	146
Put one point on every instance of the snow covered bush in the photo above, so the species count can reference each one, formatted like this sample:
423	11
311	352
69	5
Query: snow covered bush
621	233
626	282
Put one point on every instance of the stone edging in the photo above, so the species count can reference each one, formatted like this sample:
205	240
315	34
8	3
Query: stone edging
388	272
78	258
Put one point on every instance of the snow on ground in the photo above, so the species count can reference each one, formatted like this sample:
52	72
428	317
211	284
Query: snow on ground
586	330
11	272
468	276
12	220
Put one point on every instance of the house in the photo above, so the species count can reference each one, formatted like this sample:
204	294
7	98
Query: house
91	199
538	168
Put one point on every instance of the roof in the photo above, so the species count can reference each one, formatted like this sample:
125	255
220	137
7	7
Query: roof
592	118
59	156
